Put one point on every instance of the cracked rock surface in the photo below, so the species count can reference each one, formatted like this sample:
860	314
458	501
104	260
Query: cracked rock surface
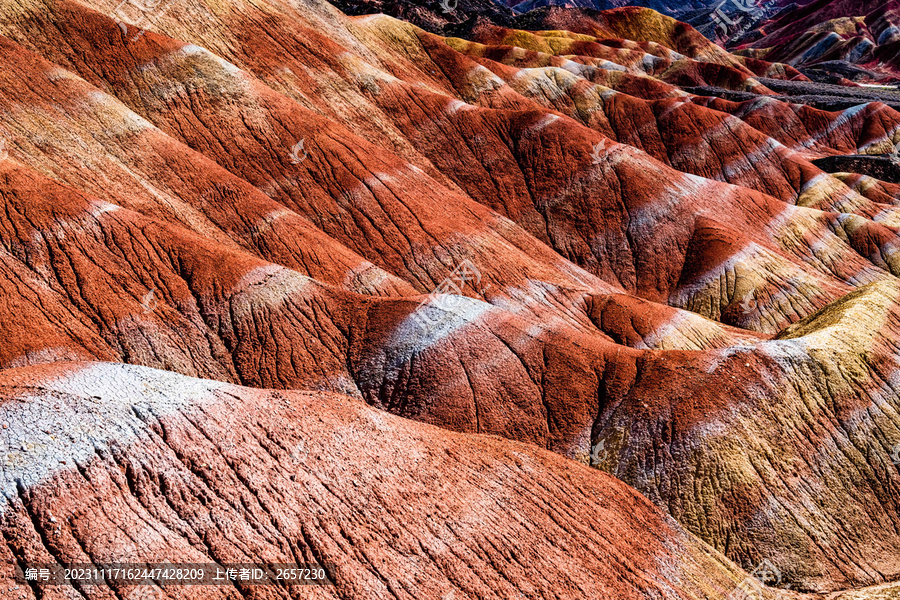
506	315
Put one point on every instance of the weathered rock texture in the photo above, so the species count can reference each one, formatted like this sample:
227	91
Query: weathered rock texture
108	461
278	196
846	39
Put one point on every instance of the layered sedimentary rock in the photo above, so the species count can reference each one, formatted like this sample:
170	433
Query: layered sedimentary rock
537	235
115	460
834	40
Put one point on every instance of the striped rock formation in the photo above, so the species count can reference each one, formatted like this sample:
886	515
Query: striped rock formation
284	284
114	461
855	39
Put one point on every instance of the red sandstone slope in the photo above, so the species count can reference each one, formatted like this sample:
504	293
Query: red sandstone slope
862	34
544	209
637	250
181	302
643	25
195	471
